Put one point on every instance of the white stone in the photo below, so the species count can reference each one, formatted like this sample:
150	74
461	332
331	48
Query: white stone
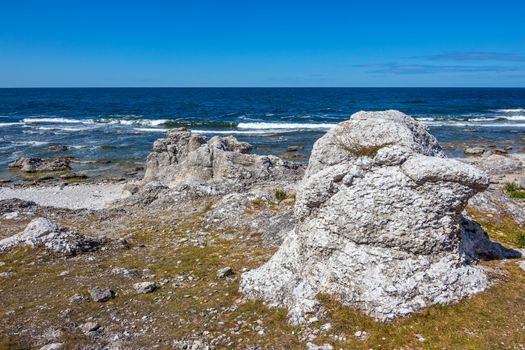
378	224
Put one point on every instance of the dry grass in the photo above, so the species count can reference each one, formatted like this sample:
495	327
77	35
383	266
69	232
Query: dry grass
196	303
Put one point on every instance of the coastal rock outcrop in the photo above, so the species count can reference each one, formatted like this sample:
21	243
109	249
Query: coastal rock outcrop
33	165
379	225
184	158
42	232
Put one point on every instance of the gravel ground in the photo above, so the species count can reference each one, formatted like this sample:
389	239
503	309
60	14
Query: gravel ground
82	196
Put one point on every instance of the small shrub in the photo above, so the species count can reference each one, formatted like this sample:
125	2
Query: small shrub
280	195
513	190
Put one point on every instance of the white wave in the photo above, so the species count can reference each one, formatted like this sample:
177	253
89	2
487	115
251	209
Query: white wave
513	117
69	128
479	125
8	124
151	129
510	110
57	120
242	132
31	143
143	122
295	126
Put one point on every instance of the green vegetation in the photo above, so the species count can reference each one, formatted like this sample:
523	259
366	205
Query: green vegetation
513	190
503	230
280	195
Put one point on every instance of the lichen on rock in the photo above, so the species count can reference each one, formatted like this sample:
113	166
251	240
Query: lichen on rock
379	224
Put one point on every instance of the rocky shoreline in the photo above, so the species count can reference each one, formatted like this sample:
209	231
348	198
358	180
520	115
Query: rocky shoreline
183	255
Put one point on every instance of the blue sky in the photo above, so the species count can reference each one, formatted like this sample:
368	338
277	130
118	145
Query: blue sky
262	43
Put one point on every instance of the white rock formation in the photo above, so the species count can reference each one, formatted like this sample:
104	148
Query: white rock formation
42	232
185	158
379	224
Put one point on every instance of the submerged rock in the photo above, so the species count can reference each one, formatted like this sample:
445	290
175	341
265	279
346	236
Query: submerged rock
184	158
32	165
46	233
379	225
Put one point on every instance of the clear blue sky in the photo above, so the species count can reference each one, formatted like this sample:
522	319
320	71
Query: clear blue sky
262	43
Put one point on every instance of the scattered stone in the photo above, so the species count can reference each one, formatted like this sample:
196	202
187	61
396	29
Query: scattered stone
77	298
53	346
4	181
312	346
522	265
58	148
145	287
378	219
101	294
7	274
507	148
130	273
361	335
90	327
32	165
500	151
46	233
420	338
327	327
225	272
474	151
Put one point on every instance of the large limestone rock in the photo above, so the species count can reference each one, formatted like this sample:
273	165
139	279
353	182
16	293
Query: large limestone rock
185	158
42	232
379	224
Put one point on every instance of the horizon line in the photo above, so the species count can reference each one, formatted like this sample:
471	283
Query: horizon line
262	87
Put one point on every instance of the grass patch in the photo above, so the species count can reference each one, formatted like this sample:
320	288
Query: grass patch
504	231
513	190
280	195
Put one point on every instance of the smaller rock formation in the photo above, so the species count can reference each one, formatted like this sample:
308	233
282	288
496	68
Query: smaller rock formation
379	225
33	165
42	232
224	162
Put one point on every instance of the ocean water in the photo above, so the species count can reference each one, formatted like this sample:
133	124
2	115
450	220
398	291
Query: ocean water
112	130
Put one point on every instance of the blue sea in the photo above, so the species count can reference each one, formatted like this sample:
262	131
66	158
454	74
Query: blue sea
111	130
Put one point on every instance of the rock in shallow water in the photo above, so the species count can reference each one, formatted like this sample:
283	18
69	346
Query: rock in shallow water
33	165
379	224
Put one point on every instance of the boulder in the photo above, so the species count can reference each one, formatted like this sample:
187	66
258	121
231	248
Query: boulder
32	165
145	287
42	232
379	225
184	158
101	294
